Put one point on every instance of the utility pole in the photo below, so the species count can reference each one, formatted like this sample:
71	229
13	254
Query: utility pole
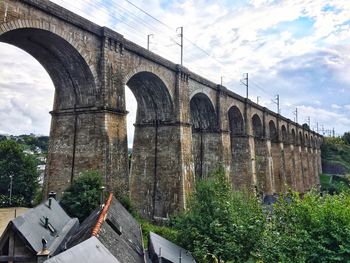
181	35
10	190
277	102
244	81
296	114
257	99
148	40
222	80
317	127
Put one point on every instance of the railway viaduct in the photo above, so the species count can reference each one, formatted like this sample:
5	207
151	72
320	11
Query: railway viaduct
186	126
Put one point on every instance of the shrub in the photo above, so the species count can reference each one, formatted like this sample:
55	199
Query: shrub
313	229
219	223
83	196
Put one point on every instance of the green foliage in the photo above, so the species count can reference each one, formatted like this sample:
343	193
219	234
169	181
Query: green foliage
313	229
164	231
83	196
346	137
333	184
219	222
13	161
33	142
336	152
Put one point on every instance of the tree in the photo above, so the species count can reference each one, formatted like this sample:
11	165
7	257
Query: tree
219	223
346	137
83	196
313	229
14	162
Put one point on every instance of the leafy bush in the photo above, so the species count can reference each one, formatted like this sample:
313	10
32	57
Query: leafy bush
346	137
220	223
313	229
167	232
83	196
336	152
233	226
333	184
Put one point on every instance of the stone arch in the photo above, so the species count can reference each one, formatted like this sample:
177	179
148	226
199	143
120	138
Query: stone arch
306	140
153	98
205	138
293	137
203	115
284	135
151	70
71	75
273	131
300	139
236	121
56	30
257	126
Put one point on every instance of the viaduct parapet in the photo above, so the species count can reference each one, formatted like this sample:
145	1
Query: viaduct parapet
186	126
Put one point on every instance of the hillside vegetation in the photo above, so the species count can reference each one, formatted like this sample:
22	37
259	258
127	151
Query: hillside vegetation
335	164
336	156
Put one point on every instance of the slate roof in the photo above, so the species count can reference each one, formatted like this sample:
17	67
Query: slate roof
116	229
31	227
169	252
89	251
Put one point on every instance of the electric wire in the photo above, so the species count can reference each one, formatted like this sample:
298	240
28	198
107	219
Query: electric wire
127	17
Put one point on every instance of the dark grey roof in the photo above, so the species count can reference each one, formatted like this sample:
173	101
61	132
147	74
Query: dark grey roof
169	252
89	251
120	233
30	226
85	229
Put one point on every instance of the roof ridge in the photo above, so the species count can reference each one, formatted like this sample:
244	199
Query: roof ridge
101	217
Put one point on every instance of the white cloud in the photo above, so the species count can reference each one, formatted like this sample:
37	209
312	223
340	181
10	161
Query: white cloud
336	106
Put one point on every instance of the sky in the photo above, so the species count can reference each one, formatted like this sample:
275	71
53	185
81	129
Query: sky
298	49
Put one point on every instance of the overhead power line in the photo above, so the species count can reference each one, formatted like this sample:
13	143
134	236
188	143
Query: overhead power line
116	13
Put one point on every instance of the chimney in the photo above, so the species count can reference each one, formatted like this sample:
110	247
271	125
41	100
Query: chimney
44	253
52	194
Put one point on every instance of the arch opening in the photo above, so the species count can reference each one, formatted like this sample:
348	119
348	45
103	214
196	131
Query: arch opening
154	102
301	140
293	137
284	134
235	121
273	132
203	116
257	127
204	141
73	80
306	140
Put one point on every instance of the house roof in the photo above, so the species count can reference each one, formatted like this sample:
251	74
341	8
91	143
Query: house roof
89	251
31	226
168	251
116	229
